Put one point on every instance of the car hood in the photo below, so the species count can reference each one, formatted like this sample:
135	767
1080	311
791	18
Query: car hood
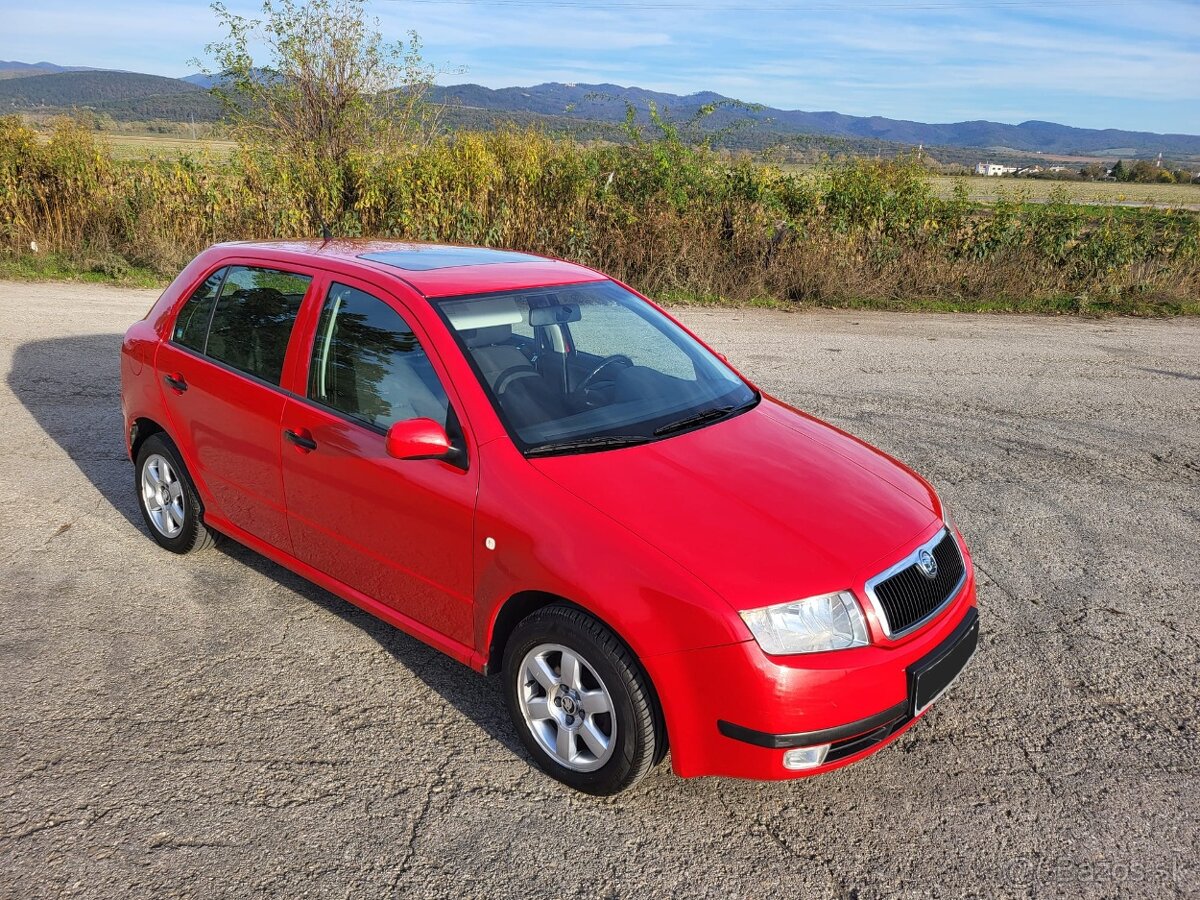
768	506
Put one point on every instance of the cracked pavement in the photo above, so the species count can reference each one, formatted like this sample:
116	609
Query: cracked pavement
216	726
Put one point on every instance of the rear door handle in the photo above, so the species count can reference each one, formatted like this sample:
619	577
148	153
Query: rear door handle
303	441
177	382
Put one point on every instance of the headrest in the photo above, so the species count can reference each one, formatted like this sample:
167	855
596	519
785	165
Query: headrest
487	336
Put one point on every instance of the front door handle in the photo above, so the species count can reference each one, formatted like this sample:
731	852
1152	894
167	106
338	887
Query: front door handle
303	441
177	382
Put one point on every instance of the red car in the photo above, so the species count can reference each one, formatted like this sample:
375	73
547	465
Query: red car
539	472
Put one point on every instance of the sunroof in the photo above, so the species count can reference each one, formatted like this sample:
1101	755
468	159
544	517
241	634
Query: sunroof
423	258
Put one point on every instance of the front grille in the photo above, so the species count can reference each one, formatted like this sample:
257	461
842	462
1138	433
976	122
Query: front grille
908	597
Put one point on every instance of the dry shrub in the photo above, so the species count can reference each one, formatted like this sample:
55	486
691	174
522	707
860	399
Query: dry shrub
673	220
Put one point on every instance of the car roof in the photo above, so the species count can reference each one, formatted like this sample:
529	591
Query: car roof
434	270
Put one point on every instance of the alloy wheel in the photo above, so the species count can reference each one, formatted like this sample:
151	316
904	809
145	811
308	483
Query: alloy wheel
566	707
162	495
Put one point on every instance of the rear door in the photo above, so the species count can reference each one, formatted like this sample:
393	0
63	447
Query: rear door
221	371
399	531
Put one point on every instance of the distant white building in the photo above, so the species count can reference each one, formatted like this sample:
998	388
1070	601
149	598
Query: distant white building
994	170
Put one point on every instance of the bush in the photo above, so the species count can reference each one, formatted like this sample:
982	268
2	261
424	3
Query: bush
672	219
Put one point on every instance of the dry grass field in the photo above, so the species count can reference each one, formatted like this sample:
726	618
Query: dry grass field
141	146
1037	190
985	190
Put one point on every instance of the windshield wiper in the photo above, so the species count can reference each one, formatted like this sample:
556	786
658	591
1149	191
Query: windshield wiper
705	415
600	442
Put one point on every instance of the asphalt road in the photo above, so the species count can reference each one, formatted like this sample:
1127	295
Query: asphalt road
214	726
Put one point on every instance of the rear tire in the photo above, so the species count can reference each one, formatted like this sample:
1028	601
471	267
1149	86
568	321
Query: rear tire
580	701
167	498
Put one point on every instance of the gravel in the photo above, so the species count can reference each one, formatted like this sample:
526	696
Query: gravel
215	725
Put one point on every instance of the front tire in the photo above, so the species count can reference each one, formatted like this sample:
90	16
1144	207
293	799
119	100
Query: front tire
168	499
580	701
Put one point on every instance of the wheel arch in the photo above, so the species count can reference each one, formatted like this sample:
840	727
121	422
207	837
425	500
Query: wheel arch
509	615
523	604
140	429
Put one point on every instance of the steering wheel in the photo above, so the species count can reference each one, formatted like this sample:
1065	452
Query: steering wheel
511	373
586	384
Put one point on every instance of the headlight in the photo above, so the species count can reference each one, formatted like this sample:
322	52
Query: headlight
946	520
828	622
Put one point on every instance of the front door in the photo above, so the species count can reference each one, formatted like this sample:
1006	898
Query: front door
399	531
220	374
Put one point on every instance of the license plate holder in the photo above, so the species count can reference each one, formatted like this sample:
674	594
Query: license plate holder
930	676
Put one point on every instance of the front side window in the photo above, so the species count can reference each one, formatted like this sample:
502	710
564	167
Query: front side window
253	320
604	368
191	326
368	364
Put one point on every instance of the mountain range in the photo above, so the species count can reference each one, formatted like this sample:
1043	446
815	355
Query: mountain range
133	96
607	102
39	68
11	68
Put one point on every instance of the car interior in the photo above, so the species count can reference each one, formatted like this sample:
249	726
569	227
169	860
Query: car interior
546	380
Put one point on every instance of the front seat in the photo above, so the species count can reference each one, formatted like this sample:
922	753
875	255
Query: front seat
493	355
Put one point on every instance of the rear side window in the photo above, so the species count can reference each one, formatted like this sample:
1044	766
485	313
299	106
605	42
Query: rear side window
368	364
253	320
191	327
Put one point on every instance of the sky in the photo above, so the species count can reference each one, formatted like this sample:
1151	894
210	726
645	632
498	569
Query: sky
1115	64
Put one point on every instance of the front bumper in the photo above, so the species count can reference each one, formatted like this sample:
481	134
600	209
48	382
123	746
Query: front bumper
734	711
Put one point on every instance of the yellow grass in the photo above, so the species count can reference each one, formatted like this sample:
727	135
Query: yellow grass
987	190
140	146
676	221
1177	196
979	189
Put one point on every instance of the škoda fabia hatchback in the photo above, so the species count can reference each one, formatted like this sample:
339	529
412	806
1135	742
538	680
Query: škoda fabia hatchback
540	473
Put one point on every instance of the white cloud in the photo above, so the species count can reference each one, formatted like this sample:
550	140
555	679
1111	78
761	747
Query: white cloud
1117	64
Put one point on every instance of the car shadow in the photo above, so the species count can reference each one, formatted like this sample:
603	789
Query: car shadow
71	388
478	698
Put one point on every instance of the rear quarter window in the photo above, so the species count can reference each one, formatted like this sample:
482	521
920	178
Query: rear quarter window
191	325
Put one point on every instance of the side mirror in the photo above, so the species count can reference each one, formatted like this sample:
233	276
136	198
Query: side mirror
418	439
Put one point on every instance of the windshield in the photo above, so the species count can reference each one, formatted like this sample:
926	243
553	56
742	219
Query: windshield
589	367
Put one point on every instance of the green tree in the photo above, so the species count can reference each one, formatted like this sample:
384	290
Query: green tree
1143	172
327	90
